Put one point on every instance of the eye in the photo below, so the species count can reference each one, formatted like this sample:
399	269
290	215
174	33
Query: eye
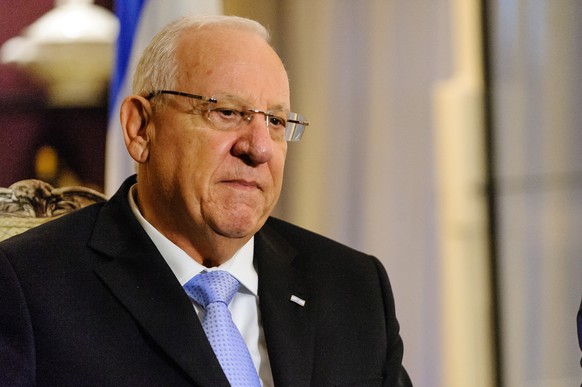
225	118
227	114
277	122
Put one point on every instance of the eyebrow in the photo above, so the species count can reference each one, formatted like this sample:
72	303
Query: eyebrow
236	99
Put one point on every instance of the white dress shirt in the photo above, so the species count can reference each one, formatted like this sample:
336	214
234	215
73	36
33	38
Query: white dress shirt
244	307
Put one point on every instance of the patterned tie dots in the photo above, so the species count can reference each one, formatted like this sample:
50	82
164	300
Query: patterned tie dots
213	291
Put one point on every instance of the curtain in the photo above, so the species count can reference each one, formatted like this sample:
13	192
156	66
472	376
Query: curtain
366	74
537	88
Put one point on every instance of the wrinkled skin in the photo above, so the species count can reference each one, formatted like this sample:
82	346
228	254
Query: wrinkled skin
210	191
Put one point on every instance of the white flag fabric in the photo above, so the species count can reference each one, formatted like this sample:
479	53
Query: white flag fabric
139	20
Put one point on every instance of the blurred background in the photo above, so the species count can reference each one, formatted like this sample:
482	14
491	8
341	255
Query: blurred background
445	139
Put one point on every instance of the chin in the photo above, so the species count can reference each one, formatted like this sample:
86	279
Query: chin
238	221
236	232
237	227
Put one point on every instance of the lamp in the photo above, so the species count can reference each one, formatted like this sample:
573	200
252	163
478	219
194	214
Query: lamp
71	48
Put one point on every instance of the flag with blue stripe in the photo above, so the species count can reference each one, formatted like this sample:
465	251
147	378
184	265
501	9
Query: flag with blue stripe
139	21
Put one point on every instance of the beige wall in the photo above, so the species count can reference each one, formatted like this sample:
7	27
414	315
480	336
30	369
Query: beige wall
393	165
365	73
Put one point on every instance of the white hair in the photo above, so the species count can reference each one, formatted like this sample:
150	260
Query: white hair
158	65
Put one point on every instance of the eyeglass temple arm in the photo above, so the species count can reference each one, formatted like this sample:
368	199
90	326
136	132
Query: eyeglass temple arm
158	92
304	123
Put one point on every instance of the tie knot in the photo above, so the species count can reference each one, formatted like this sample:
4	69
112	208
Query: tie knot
212	286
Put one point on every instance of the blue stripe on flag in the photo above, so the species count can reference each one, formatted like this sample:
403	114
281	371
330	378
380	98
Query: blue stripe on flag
128	13
139	21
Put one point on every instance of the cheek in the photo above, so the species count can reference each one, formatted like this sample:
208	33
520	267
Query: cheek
198	148
202	160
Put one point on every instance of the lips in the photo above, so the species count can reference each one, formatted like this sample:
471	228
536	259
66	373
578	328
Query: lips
244	184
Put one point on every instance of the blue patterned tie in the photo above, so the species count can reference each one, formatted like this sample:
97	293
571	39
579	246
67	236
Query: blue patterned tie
213	291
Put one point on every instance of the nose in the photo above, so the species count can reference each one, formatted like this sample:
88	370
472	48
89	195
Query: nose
254	144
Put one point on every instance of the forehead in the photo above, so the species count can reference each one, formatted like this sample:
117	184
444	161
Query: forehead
226	60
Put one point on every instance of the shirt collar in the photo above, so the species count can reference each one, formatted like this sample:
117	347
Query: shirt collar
240	265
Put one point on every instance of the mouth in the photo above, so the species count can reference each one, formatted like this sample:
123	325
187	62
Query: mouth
242	184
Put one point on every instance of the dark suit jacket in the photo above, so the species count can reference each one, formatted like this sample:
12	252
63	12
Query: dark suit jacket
579	323
88	300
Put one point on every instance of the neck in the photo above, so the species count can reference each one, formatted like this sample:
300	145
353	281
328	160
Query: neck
210	251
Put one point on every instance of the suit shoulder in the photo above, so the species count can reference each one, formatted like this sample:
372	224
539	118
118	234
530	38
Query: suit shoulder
309	242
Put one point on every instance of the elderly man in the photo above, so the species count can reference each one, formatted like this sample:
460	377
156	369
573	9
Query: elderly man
129	292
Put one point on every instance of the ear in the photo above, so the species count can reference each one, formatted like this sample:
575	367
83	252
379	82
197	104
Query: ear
135	115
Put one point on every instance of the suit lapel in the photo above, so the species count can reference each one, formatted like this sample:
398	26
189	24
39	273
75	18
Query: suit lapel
142	282
288	326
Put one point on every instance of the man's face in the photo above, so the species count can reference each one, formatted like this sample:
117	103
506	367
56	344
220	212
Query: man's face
212	181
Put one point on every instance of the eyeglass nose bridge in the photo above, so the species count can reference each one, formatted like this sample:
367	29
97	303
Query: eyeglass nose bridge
249	114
